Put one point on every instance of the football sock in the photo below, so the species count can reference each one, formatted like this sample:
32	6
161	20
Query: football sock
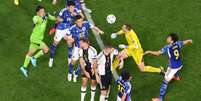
152	69
163	89
70	51
78	70
107	96
26	61
83	93
38	54
70	68
102	98
115	64
52	50
93	91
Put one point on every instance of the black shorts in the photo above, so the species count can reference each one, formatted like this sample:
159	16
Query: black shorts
92	77
106	81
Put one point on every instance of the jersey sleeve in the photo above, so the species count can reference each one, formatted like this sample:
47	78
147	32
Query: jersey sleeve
50	17
120	32
164	50
127	89
89	25
180	43
61	12
37	20
80	53
115	52
94	56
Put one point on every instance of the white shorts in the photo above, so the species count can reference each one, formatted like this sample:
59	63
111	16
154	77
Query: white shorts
170	73
60	34
75	55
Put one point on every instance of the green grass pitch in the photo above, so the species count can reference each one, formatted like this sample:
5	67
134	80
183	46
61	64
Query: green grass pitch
152	20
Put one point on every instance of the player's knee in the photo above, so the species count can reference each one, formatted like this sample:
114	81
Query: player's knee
46	50
167	78
56	42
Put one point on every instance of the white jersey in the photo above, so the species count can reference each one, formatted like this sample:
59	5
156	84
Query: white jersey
88	55
103	61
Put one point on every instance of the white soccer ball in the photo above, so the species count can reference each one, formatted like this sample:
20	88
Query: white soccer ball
111	19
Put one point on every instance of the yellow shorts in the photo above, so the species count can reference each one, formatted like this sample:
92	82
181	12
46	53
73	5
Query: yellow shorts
137	54
36	46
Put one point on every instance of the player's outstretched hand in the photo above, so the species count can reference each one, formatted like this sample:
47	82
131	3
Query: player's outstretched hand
101	32
122	46
113	35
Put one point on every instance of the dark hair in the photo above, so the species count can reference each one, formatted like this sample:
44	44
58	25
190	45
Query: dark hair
125	75
77	17
128	26
70	3
108	45
173	36
85	40
39	7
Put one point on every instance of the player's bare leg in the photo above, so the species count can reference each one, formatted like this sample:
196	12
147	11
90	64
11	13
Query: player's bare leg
84	8
108	93
84	88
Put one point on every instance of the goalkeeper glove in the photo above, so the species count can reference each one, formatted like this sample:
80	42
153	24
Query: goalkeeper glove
122	46
113	35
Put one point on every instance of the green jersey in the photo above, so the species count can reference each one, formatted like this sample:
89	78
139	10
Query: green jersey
40	24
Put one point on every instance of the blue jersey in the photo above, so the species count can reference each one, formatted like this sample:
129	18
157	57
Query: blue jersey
79	32
124	87
68	19
174	54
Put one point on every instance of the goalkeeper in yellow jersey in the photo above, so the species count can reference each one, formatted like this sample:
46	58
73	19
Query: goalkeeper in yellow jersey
133	49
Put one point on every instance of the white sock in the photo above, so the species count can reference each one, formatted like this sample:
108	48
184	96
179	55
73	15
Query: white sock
102	97
93	92
107	96
83	93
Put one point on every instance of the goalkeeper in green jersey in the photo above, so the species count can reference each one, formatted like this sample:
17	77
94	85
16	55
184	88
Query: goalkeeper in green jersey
36	40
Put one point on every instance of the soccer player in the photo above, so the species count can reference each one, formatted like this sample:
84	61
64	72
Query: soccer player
17	2
36	41
66	20
81	5
124	86
88	63
104	71
77	31
173	50
133	49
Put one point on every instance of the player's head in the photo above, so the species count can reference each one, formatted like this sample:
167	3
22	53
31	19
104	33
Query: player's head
172	38
40	10
79	20
126	75
71	6
108	49
84	43
126	27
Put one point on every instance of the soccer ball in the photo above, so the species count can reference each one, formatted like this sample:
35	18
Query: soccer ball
111	19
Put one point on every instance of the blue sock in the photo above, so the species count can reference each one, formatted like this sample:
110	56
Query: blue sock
78	70
163	89
52	50
70	68
70	51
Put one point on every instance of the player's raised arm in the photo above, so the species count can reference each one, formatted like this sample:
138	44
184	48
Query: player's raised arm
189	41
156	53
97	29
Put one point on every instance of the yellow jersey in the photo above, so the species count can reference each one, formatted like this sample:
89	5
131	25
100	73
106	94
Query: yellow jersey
132	39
